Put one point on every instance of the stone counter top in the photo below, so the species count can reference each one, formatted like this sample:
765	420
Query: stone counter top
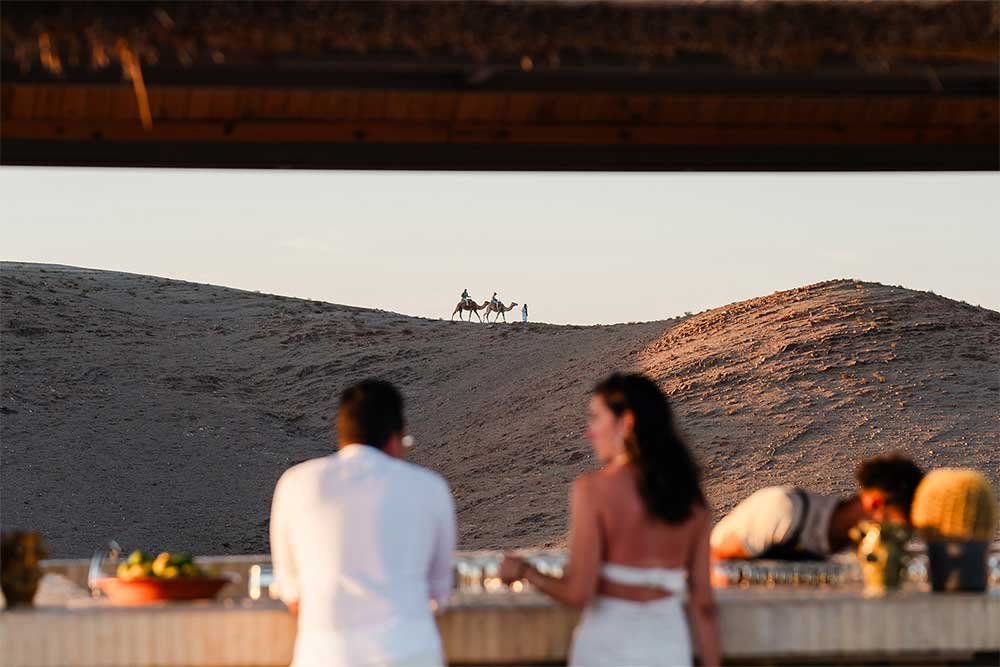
777	624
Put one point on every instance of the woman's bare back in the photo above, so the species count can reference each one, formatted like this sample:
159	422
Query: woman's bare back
633	537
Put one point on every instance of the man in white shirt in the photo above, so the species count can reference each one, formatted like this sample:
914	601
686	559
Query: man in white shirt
362	542
788	523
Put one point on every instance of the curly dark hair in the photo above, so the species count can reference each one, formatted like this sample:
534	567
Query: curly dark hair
894	474
669	479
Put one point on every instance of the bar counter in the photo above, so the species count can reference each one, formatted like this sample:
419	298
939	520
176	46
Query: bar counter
758	624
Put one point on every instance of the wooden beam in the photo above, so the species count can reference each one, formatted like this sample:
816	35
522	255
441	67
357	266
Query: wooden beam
497	156
492	133
38	101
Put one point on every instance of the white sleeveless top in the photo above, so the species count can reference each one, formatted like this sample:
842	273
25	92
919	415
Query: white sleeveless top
672	580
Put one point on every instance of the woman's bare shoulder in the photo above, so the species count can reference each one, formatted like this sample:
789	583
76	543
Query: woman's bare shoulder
608	487
609	479
598	483
588	481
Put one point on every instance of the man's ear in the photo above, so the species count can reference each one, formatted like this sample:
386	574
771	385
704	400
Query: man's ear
394	446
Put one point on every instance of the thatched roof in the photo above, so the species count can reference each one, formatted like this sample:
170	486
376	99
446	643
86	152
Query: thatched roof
752	35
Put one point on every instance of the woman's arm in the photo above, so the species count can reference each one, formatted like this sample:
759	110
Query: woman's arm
578	586
701	604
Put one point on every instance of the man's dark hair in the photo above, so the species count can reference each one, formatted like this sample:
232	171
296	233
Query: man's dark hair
893	474
369	413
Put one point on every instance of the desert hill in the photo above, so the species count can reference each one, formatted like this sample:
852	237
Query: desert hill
160	412
798	386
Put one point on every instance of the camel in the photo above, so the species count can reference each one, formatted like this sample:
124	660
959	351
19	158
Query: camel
500	309
469	305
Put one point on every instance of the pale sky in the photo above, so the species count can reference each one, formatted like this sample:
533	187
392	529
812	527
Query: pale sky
578	248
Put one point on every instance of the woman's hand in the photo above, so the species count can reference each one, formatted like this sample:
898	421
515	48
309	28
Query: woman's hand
512	568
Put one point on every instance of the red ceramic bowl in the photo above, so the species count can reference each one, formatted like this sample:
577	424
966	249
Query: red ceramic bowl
148	590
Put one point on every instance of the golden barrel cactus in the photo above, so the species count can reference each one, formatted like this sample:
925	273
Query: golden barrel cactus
955	504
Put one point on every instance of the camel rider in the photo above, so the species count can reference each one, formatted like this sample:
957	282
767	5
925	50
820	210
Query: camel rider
465	296
495	301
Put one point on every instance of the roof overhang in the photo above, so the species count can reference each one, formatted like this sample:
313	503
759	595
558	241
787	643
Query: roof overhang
733	86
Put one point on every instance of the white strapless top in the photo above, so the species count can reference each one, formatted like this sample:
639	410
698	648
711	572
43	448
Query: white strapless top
673	580
656	632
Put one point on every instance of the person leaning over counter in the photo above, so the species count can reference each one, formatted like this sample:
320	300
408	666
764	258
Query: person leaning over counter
790	523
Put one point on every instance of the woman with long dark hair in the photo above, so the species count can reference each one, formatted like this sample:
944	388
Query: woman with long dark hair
638	544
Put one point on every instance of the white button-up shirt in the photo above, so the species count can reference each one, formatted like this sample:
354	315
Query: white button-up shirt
363	542
765	519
